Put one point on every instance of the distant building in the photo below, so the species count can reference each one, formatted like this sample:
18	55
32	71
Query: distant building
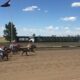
48	39
22	39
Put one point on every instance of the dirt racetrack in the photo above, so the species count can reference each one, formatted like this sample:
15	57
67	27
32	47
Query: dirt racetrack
43	65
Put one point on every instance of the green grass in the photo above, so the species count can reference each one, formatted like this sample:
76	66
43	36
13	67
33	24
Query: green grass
3	41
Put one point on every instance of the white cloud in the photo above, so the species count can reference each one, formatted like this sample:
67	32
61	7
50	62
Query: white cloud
31	8
56	28
45	31
72	18
50	28
66	28
75	4
77	28
67	31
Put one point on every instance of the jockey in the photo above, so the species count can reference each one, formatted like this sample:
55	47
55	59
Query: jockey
31	43
32	40
1	51
12	45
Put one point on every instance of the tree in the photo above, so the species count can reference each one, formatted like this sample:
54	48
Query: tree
34	35
10	32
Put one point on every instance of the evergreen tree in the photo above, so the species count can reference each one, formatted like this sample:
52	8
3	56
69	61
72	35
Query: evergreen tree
10	32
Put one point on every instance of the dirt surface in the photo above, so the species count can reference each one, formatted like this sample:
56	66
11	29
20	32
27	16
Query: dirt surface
43	65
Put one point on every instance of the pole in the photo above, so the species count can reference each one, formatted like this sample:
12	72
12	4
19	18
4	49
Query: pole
11	24
11	32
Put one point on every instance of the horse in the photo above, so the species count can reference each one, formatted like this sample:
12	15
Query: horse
14	48
5	52
28	49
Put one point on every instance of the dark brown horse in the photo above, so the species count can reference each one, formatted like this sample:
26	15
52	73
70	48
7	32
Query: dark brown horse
26	50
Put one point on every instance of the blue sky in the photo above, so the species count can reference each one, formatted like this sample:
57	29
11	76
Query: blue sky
42	17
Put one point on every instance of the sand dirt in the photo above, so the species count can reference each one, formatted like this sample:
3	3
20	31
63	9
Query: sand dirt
44	65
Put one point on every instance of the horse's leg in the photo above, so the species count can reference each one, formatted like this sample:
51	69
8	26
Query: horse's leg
2	57
32	50
22	52
27	53
14	52
10	54
17	51
5	55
